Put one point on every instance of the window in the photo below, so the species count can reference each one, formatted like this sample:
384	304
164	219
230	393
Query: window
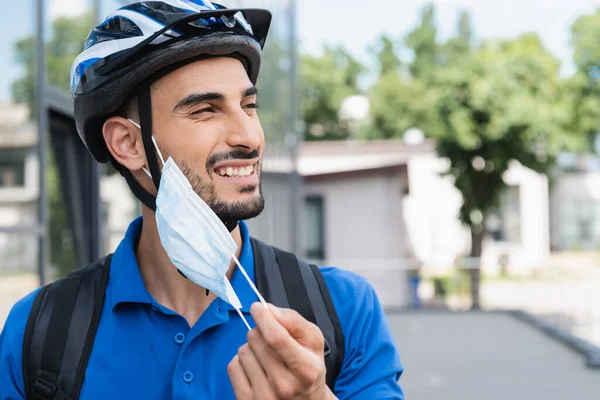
511	213
315	230
12	168
504	225
580	224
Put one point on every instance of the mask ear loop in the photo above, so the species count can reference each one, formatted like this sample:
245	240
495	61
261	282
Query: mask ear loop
162	159
252	285
235	302
243	318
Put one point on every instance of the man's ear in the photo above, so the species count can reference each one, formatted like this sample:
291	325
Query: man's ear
124	141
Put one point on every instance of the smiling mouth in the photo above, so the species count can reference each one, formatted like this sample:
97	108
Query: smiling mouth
233	172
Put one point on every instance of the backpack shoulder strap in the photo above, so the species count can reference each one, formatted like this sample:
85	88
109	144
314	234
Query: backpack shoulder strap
287	281
60	332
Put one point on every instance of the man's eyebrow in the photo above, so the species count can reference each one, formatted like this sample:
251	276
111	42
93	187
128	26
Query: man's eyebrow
197	98
251	91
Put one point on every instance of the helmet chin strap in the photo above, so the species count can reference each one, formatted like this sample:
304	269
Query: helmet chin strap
145	112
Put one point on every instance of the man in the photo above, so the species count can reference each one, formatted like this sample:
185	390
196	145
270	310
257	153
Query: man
156	70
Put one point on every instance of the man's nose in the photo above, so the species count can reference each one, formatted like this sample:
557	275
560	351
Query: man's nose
243	131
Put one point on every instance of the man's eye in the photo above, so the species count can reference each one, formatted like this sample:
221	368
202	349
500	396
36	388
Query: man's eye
251	105
203	110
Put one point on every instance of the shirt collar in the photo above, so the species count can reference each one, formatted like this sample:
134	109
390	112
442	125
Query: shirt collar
125	280
127	286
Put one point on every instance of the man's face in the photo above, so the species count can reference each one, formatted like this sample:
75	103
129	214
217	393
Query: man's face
204	117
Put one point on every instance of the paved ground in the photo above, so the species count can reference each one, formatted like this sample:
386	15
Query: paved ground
477	356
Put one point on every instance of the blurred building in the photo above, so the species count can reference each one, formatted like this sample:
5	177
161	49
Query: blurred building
518	230
385	206
352	210
18	185
575	207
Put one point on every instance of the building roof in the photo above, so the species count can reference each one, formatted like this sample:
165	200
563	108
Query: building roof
332	157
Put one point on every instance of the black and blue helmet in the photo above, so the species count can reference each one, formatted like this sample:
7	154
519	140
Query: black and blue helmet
142	41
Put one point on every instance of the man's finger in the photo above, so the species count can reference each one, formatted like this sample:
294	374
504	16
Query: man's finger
255	373
295	327
278	374
299	328
239	380
303	356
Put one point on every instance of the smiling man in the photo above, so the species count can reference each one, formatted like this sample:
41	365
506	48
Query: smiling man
165	91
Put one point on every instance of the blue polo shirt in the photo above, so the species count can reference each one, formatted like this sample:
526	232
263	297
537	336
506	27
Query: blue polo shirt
143	350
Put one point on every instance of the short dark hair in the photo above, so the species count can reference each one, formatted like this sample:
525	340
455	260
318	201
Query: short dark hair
129	109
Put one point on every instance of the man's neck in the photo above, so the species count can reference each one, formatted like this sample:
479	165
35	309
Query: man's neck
163	281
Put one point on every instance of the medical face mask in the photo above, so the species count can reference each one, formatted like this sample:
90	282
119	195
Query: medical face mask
193	236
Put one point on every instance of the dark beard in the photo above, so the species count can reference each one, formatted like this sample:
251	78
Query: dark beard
228	212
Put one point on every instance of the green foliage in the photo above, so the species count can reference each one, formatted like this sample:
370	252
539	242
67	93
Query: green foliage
504	102
399	103
585	85
423	42
68	37
326	81
386	55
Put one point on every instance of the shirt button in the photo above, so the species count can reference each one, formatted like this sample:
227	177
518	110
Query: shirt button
188	376
179	338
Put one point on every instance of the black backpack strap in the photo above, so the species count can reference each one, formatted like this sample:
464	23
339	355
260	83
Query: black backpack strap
287	281
60	333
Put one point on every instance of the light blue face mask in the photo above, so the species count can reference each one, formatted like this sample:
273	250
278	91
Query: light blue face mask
193	236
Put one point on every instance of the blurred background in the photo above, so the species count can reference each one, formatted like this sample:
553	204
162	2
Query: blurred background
446	150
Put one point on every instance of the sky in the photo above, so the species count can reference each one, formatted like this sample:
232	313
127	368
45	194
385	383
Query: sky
356	24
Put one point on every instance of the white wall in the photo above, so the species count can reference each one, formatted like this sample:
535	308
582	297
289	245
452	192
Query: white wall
363	229
438	238
534	249
431	213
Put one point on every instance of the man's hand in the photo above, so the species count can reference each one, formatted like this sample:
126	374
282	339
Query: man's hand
283	358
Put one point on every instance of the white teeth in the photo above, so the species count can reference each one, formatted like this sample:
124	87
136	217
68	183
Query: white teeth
230	171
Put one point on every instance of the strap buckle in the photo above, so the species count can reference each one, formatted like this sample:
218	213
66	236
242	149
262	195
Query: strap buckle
44	388
327	349
47	390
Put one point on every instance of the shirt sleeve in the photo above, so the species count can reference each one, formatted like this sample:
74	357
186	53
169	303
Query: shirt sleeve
11	350
371	367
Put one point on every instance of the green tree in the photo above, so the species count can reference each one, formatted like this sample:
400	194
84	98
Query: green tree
485	106
326	81
423	42
386	53
399	103
67	39
459	46
503	102
585	85
394	94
